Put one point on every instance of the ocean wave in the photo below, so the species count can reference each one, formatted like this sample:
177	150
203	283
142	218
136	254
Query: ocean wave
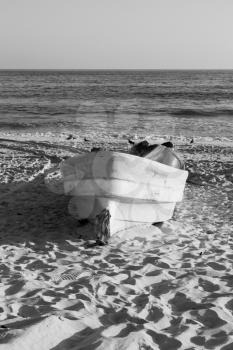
14	125
122	91
22	124
36	110
190	112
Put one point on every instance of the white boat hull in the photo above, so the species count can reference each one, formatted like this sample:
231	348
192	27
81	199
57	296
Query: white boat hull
124	213
134	189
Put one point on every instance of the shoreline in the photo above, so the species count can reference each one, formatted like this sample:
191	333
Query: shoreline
115	137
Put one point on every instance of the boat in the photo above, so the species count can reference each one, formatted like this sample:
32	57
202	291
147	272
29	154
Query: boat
135	190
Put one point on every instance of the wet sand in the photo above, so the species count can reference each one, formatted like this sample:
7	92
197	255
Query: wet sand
155	287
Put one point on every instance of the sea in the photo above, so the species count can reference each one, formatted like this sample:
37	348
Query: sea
168	102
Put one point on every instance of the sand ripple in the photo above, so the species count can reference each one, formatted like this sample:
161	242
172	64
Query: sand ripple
158	287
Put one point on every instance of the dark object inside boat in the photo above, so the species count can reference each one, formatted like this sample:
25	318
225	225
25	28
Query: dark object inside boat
162	153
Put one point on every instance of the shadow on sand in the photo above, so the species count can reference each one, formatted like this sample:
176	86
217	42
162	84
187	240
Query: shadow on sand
31	212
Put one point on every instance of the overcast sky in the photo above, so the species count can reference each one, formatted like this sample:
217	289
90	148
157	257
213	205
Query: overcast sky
118	34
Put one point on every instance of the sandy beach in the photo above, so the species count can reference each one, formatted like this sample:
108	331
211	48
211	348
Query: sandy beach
153	287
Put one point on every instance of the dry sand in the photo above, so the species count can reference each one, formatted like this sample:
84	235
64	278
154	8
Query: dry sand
164	287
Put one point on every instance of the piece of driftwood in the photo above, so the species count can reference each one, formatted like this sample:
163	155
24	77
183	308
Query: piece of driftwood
102	227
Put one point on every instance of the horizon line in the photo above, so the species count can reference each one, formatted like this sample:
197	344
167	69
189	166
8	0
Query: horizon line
115	69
